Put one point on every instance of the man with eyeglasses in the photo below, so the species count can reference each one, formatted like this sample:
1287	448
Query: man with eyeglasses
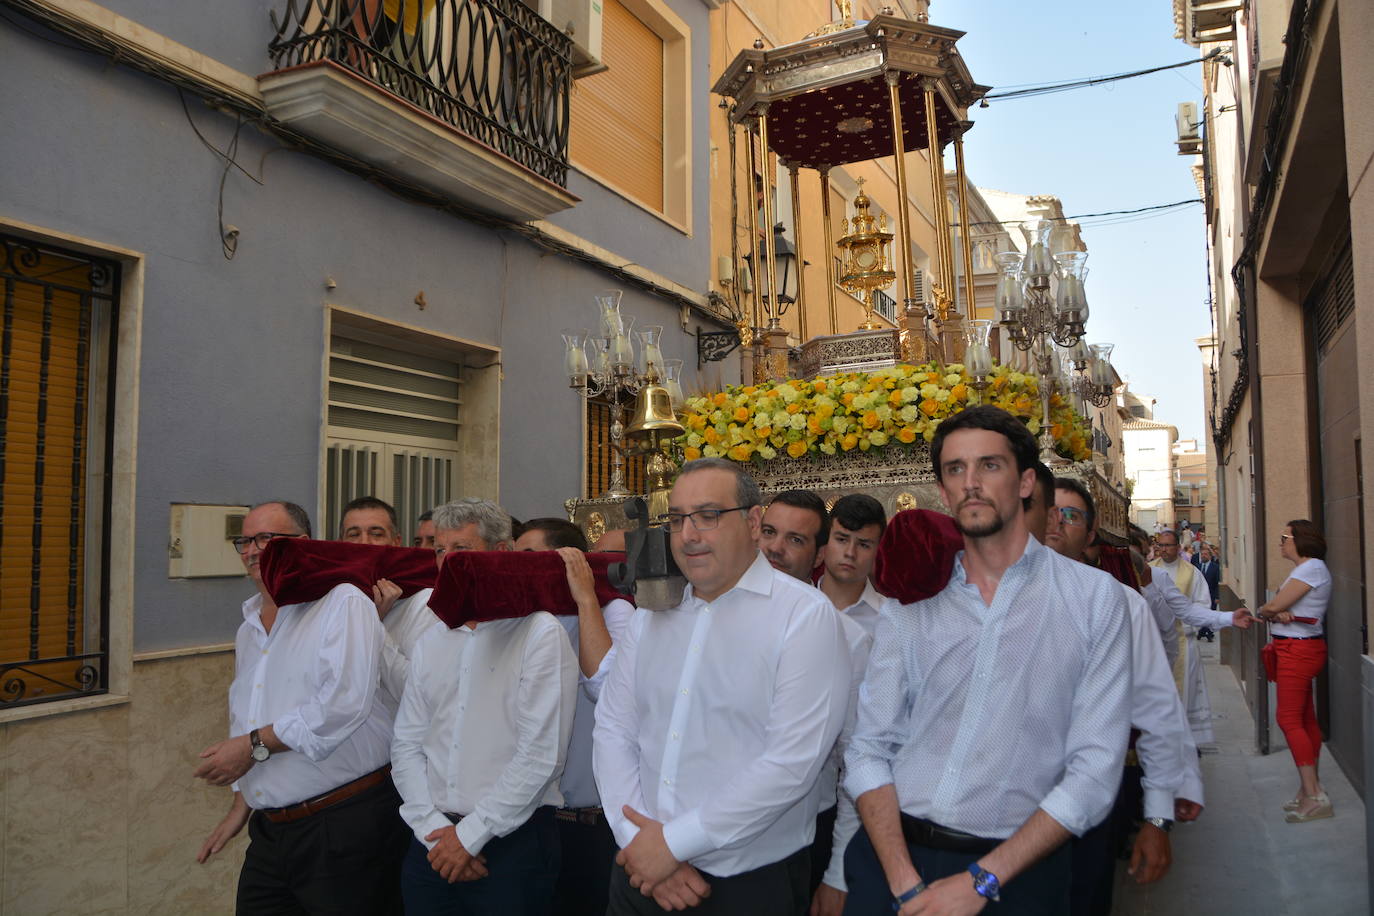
309	746
1173	611
1167	773
717	716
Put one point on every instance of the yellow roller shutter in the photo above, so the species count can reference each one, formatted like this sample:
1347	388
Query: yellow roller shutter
616	129
44	359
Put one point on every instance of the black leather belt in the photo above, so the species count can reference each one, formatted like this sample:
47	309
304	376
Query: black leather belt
1278	636
922	832
587	817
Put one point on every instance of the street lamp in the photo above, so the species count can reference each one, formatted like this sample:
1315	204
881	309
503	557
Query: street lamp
785	269
611	368
1042	304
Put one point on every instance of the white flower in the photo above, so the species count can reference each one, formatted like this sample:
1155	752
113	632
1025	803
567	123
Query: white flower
877	437
693	440
910	393
788	393
711	451
767	452
908	413
798	421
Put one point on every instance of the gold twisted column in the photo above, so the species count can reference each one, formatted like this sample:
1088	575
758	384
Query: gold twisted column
770	245
944	272
965	230
829	253
912	338
756	281
800	304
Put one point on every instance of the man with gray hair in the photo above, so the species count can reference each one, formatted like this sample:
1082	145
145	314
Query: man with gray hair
481	738
717	716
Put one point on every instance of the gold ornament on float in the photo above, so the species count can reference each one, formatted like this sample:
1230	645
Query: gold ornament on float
867	256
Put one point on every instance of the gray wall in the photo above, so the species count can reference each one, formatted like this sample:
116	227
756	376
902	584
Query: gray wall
230	376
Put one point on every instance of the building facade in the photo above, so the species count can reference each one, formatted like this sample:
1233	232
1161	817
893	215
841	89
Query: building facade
302	251
1285	143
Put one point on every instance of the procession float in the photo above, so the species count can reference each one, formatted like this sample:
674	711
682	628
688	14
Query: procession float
846	412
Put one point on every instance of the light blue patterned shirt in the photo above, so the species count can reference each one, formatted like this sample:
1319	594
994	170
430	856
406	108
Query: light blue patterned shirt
979	714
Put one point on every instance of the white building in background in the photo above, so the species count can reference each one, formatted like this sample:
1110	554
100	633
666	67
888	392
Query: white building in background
1148	447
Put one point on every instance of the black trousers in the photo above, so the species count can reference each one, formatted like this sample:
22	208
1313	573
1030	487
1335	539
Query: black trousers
522	867
822	846
778	889
584	876
1094	854
1041	890
346	859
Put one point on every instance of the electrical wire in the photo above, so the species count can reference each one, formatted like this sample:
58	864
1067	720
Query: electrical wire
1067	85
1081	216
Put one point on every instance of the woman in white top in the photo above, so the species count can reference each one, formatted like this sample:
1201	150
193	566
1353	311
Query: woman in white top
1297	613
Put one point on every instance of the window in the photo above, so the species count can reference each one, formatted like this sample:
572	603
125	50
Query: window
394	419
600	452
56	368
628	127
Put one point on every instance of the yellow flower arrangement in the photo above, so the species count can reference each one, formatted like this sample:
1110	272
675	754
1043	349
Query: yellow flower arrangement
900	405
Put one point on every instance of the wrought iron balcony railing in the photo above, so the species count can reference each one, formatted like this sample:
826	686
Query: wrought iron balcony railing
493	69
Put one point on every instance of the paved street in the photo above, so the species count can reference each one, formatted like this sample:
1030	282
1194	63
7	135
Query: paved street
1241	856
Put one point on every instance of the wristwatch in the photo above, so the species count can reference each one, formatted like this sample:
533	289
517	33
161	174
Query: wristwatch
1163	823
985	883
260	750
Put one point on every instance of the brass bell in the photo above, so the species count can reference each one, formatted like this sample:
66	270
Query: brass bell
653	417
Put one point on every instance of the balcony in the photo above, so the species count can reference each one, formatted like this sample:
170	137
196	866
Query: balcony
467	98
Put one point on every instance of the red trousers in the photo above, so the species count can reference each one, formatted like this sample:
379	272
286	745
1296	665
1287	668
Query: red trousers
1300	660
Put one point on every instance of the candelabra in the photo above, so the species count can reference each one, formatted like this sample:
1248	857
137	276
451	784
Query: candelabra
1042	306
615	368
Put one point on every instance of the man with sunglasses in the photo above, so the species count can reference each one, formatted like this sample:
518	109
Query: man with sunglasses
309	746
717	716
1166	780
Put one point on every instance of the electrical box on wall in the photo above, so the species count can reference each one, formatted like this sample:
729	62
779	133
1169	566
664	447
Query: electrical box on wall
198	545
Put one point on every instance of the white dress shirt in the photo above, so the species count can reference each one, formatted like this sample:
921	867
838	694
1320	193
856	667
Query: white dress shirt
408	620
578	785
1163	592
1165	746
978	714
717	717
483	726
314	680
1198	592
859	620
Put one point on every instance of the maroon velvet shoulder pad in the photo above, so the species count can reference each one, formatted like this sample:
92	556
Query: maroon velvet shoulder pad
916	555
499	584
297	570
1117	562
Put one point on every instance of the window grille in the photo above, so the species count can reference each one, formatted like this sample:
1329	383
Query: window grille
56	370
600	450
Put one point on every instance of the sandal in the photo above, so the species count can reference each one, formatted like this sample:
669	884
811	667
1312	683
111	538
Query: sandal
1321	810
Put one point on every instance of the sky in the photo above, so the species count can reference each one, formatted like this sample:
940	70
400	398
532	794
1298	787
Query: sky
1098	149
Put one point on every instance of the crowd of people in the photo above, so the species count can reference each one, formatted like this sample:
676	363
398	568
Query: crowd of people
845	714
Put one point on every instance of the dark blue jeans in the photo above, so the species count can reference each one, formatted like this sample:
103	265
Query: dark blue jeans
522	869
1041	890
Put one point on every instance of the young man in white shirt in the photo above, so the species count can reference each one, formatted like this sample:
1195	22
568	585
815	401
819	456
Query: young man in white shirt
481	737
308	754
369	520
585	839
717	717
1167	772
994	716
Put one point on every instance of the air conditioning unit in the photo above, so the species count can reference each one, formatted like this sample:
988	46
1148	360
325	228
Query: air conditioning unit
581	21
1189	135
